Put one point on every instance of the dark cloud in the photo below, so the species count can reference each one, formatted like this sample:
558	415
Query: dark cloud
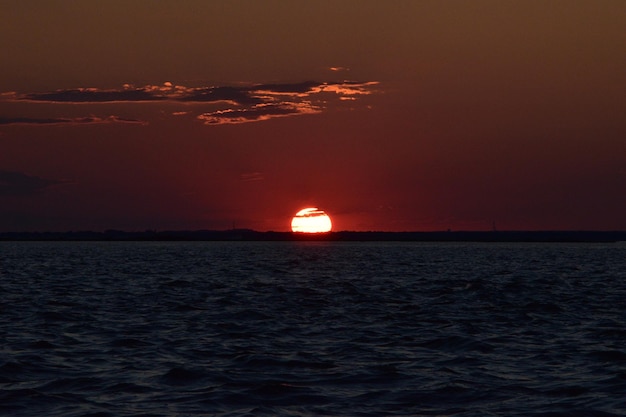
19	184
281	100
242	95
302	87
239	103
64	121
238	95
90	95
27	120
257	113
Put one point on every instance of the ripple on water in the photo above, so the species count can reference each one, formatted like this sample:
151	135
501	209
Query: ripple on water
369	329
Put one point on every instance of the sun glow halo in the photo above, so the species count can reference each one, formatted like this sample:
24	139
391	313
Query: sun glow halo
311	220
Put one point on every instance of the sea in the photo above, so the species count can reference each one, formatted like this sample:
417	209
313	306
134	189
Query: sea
312	329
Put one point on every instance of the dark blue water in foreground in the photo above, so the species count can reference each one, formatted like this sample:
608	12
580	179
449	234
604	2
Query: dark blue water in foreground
312	328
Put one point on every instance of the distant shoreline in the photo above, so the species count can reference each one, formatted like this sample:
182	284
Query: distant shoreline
341	236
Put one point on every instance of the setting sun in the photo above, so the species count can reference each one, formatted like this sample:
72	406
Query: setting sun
311	220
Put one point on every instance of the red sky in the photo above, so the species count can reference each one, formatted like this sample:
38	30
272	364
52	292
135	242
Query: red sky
403	115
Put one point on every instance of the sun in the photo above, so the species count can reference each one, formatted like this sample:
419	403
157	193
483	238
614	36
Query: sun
311	220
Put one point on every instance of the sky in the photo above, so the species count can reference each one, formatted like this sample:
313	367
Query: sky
402	115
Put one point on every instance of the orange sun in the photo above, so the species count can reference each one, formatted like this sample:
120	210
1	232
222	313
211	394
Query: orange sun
311	220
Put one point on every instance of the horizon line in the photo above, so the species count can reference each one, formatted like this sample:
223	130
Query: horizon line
599	236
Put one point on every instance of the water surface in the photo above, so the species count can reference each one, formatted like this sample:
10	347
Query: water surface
312	328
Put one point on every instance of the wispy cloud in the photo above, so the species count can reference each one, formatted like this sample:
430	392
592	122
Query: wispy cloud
267	101
251	176
257	113
231	104
66	121
19	184
243	95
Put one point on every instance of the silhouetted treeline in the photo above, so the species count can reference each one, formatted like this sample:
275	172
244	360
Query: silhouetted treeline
251	235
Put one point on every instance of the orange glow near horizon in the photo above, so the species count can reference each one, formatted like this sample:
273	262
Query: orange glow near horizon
311	220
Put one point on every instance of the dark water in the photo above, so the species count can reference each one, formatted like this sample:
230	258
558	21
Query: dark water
299	329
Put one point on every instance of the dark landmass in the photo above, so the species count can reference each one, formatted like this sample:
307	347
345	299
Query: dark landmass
343	236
